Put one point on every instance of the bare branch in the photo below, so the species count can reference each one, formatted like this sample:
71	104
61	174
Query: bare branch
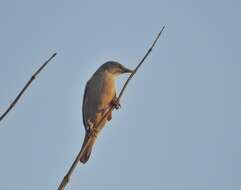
71	169
138	66
25	87
77	159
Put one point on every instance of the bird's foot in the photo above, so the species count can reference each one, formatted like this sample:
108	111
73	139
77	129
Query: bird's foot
93	132
91	129
115	103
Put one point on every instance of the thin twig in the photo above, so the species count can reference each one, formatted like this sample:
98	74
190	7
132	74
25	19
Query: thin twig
66	178
77	159
26	86
138	66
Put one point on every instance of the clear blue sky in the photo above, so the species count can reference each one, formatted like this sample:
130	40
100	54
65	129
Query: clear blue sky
180	122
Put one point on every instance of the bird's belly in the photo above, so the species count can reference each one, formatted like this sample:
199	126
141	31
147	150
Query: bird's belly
106	97
99	100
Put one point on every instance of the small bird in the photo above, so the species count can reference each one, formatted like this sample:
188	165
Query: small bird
99	96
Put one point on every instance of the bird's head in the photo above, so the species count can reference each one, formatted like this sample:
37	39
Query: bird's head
115	68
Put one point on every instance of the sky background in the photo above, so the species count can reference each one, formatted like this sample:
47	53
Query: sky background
180	122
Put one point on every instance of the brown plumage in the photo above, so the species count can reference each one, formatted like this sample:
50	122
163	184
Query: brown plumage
100	93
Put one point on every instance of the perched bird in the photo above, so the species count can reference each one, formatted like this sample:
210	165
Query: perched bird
99	96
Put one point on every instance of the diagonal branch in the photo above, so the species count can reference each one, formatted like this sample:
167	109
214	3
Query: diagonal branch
26	86
73	166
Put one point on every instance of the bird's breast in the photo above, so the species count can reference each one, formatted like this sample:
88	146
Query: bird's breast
104	90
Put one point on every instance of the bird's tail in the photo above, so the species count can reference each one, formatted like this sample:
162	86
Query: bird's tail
87	146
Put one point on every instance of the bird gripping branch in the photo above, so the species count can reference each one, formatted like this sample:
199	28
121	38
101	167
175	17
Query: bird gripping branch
82	154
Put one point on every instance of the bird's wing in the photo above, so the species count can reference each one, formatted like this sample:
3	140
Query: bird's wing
83	106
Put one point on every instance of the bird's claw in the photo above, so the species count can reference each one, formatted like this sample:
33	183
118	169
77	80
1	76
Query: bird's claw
93	132
115	103
91	129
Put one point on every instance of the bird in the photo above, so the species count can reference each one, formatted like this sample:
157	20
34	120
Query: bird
99	97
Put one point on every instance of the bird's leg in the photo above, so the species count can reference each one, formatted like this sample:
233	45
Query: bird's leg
109	116
91	129
115	102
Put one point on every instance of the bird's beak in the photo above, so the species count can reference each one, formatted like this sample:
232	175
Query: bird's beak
126	70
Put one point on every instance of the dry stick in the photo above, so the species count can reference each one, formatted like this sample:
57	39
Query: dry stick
77	159
26	86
